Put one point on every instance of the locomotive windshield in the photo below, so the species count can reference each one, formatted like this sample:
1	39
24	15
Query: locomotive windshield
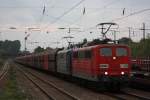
106	52
121	52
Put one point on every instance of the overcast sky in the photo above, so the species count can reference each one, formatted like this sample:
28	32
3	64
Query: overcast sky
49	15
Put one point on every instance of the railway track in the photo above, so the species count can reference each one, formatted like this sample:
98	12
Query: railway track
137	93
4	70
130	94
49	89
123	95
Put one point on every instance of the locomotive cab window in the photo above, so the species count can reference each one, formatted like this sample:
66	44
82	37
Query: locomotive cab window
106	52
121	52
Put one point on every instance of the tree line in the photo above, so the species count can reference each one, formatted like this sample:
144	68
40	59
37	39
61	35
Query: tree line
141	49
138	49
9	48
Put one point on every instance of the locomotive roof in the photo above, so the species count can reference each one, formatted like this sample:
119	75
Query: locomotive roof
101	45
64	51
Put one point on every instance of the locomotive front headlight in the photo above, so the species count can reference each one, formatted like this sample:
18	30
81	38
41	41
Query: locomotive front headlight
123	65
106	73
104	65
122	73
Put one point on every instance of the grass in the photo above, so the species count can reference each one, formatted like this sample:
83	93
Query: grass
11	91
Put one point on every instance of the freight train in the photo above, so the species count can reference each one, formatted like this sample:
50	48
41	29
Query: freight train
141	64
141	72
104	63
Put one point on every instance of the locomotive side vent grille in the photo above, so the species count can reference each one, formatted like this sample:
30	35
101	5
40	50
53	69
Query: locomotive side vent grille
123	65
104	65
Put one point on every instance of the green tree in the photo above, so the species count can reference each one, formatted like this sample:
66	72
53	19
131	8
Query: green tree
9	48
141	49
125	40
38	49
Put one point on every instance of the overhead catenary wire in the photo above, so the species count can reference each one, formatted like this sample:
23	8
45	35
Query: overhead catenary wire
134	13
58	18
121	18
43	14
104	7
66	12
116	19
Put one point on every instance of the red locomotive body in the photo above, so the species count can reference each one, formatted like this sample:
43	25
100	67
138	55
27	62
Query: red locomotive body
101	62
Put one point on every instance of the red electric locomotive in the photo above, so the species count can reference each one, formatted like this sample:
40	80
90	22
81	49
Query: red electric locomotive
102	63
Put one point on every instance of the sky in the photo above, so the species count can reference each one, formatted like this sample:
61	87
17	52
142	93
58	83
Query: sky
47	22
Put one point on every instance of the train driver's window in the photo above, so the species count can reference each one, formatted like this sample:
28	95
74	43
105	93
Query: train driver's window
106	52
121	52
